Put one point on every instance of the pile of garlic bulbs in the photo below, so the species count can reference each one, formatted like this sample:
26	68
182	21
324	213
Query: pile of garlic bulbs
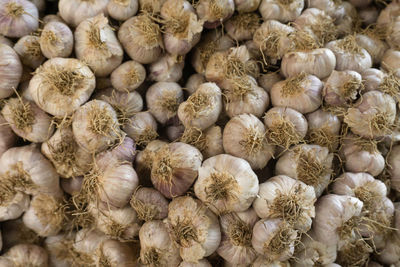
183	133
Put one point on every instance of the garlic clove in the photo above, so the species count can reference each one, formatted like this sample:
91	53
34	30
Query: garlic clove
76	11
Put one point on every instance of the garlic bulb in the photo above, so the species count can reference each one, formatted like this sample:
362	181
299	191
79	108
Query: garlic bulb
182	28
18	18
61	85
394	167
226	184
10	71
68	158
45	215
27	120
262	261
288	199
301	92
56	40
331	7
193	228
272	38
245	6
15	232
372	42
7	136
241	27
149	204
144	159
323	129
202	108
72	185
163	99
285	126
116	253
193	82
25	255
310	164
266	81
237	231
141	39
86	246
122	9
281	10
167	68
141	127
76	11
342	88
373	115
350	55
368	15
98	46
6	41
211	42
323	63
362	155
390	61
390	254
274	239
121	153
200	263
244	137
332	213
157	248
349	22
95	126
52	17
174	168
13	204
214	12
28	49
128	76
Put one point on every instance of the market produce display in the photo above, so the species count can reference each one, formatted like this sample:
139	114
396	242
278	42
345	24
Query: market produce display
198	133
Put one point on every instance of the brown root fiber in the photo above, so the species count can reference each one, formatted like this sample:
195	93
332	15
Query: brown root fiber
115	229
282	240
283	133
196	103
354	254
101	121
148	135
195	137
94	37
253	141
293	85
152	257
183	233
14	10
349	44
380	123
206	51
69	254
221	186
323	137
217	10
148	29
23	117
240	233
325	30
350	89
50	37
168	103
270	44
49	210
285	2
303	41
63	153
145	212
391	86
63	81
33	48
288	206
246	21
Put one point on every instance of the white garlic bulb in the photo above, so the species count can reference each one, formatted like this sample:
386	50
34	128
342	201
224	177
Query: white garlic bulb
373	115
68	158
241	27
10	71
390	254
116	253
285	126
323	129
12	206
157	248
394	167
214	12
141	127
368	15
6	41
274	239
362	155
301	92
72	185
124	152
390	61
174	168
122	9
202	108
98	46
28	49
332	8
288	199
167	68
76	11
149	204
87	243
61	85
163	99
226	184
25	255
95	126
200	263
283	11
52	17
373	44
144	159
372	79
245	137
347	24
237	231
56	40
323	63
18	18
193	82
193	227
350	55
245	6
7	136
128	76
266	81
141	38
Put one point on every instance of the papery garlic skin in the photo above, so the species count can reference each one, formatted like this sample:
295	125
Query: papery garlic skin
202	108
201	222
214	13
56	40
227	183
390	254
167	68
7	136
174	168
28	48
15	207
368	15
144	159
141	39
238	250
6	41
323	63
124	152
72	185
117	253
323	129
247	5
283	190
374	46
128	76
283	11
122	10
193	82
267	81
76	11
241	27
149	204
372	79
98	46
87	242
10	71
18	18
141	127
390	61
61	85
25	255
302	93
52	17
163	99
244	137
394	167
331	212
157	248
389	13
200	263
